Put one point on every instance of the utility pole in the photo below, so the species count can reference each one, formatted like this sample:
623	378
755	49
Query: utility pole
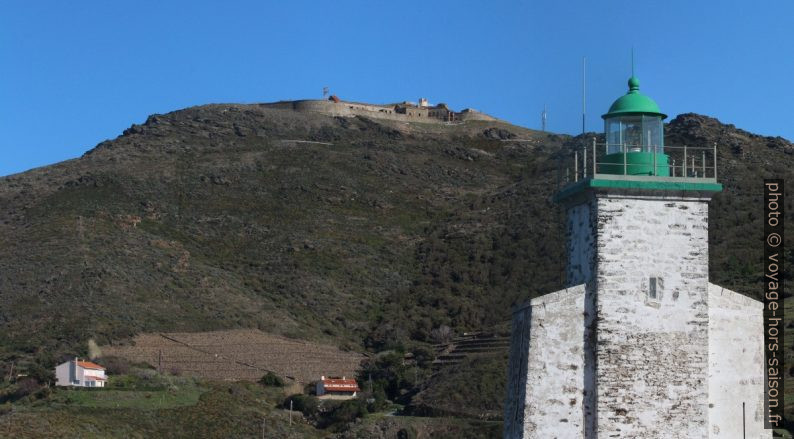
584	92
543	119
290	412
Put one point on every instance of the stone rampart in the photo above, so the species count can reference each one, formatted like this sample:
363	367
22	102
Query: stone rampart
389	112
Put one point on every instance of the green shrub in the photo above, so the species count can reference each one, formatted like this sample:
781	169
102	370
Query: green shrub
406	433
388	372
270	379
348	411
308	405
125	382
22	389
40	373
380	402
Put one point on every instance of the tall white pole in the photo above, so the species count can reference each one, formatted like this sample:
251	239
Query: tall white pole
584	91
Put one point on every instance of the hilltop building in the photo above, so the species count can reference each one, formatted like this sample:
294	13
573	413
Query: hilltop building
80	374
639	344
402	111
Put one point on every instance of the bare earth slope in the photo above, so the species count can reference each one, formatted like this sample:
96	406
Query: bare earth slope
241	354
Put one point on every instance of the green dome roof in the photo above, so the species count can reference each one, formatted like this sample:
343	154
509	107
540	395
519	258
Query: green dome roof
634	102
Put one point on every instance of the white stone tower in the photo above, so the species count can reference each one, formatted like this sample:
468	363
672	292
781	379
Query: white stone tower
639	344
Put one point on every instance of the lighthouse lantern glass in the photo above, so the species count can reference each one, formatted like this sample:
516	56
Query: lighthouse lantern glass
634	133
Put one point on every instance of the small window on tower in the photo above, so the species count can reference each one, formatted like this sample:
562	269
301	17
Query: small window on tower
655	287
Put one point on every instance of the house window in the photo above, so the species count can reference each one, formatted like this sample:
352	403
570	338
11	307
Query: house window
655	288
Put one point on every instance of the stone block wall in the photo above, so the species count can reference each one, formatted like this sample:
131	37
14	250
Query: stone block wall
652	356
546	371
736	365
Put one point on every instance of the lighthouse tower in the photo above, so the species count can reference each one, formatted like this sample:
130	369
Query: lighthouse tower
639	344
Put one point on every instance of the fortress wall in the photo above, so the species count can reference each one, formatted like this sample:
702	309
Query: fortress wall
349	109
281	105
546	367
652	355
736	365
474	115
326	107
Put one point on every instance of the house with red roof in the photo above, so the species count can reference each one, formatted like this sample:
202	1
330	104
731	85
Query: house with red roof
80	373
337	388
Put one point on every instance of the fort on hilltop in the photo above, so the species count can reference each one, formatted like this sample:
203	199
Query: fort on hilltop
402	111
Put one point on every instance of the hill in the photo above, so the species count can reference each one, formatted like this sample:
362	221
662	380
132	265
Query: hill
361	233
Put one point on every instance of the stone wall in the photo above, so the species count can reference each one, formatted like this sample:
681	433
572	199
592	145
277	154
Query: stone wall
736	365
652	354
350	109
581	243
546	369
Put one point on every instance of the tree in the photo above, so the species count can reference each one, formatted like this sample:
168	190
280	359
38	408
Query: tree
442	334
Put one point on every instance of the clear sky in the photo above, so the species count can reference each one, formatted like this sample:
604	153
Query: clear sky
73	74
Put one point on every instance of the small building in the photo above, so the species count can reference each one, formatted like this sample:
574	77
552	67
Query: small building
337	388
80	373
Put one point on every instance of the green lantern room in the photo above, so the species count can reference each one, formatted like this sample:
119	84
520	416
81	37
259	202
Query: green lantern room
635	135
634	154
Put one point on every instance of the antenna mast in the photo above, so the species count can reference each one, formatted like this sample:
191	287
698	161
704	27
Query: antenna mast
543	119
325	92
584	92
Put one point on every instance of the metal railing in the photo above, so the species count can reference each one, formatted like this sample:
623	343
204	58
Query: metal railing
673	162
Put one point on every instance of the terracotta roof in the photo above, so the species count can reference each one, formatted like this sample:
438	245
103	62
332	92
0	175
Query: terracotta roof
89	365
339	385
90	378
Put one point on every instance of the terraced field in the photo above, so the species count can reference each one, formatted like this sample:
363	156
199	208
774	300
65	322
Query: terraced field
468	345
237	355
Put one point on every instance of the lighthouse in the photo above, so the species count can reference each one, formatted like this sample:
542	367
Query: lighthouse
639	344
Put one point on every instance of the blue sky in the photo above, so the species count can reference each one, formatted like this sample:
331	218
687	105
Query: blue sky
73	74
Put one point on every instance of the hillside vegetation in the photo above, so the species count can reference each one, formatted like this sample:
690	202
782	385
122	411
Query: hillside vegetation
358	233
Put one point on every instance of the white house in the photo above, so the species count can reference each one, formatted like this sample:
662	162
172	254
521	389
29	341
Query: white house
337	388
80	373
